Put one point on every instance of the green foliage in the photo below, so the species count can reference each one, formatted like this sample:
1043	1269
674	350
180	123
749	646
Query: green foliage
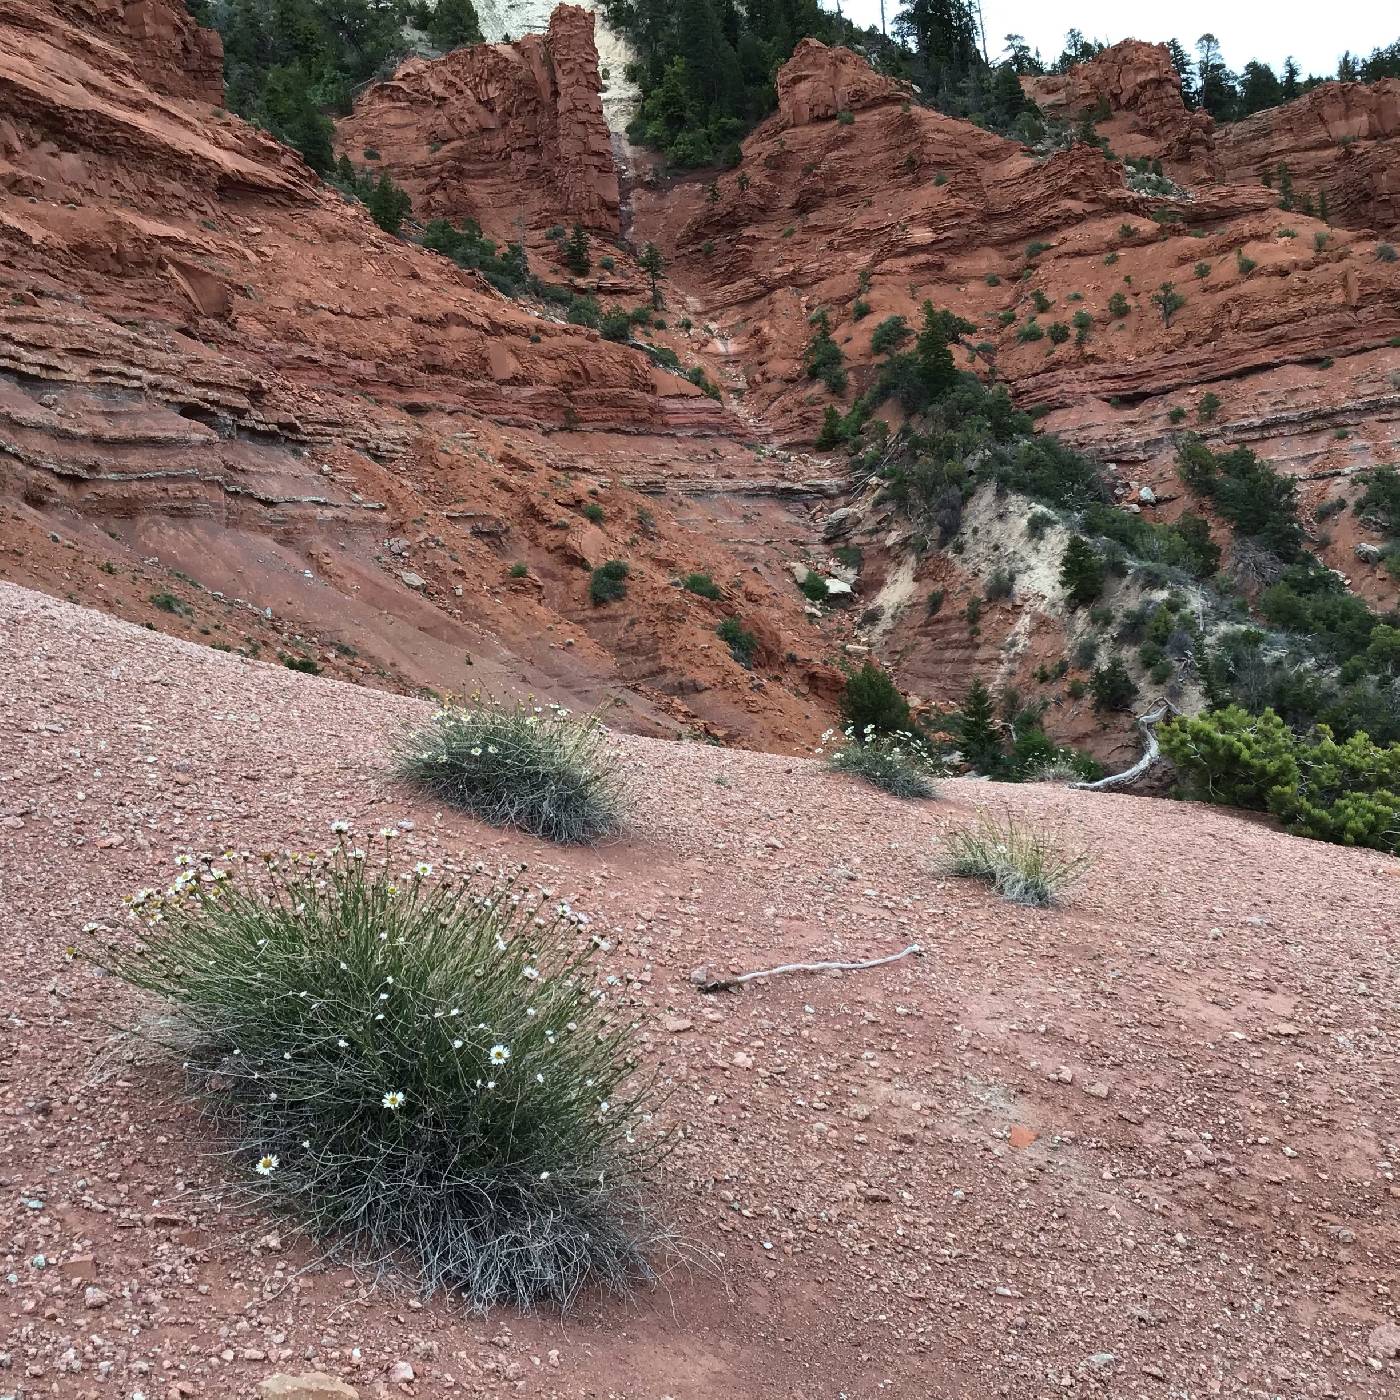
453	23
1208	407
304	664
616	325
1202	270
702	585
169	603
822	357
1112	687
1083	323
1244	264
509	272
1030	332
977	731
1118	306
1379	502
519	571
1040	301
575	252
593	511
546	772
897	764
1023	865
1177	415
608	582
871	703
418	1073
1082	572
1347	792
860	309
290	63
1255	499
813	586
742	644
1168	301
1058	332
1386	253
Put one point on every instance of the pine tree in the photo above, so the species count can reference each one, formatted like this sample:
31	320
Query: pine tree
1082	572
389	205
1217	83
576	257
1289	88
1182	63
1259	88
979	737
1285	186
1169	301
452	24
652	264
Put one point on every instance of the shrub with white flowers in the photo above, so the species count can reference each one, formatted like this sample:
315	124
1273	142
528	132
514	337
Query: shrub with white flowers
899	763
537	768
421	1071
1023	865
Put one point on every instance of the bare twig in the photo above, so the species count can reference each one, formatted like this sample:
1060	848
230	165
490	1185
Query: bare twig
707	981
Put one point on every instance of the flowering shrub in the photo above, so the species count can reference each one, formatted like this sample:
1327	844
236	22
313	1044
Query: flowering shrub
1021	864
537	768
898	764
419	1073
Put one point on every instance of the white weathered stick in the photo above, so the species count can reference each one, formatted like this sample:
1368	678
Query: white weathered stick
707	982
1151	749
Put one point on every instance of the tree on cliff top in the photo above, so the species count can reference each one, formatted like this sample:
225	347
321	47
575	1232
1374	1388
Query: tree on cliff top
453	23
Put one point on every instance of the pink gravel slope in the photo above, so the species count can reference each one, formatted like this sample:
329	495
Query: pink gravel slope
1143	1145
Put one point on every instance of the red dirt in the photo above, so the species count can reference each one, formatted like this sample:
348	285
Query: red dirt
1201	1042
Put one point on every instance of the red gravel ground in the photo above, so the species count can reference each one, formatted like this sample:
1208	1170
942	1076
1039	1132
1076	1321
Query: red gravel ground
1143	1145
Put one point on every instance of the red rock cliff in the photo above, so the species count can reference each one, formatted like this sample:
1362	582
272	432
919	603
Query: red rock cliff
511	135
1142	92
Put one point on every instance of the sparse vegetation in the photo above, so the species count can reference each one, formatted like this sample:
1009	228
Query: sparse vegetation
608	582
895	763
536	769
871	703
742	644
702	585
1023	865
419	1073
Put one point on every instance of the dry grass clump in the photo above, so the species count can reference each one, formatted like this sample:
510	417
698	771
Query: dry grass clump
539	769
419	1072
1022	864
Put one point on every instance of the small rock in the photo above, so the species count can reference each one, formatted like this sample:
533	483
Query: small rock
94	1297
1147	496
1367	552
1384	1341
1098	1090
1022	1136
313	1385
412	580
1285	1028
676	1024
399	1373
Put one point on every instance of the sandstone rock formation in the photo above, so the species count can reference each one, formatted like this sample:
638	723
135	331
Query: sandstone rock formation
225	394
511	135
1141	91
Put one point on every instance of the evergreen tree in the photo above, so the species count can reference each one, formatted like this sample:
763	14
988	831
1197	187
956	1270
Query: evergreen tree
1082	572
1348	68
652	264
1259	88
453	23
1289	88
941	329
1216	82
979	738
389	205
576	257
1019	57
1182	63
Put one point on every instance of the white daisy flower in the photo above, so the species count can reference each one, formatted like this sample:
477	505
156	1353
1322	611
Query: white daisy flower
456	1044
500	1054
394	1099
476	753
340	827
267	1164
532	973
422	869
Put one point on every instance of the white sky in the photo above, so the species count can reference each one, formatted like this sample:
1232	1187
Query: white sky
1268	30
